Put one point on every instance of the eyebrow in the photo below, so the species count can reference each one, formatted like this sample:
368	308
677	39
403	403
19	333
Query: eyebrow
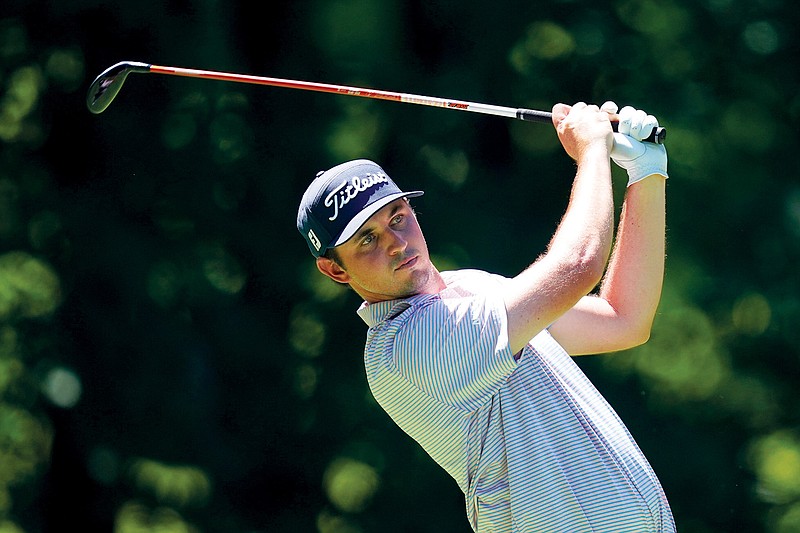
366	231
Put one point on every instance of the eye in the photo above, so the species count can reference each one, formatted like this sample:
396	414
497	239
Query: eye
398	219
368	238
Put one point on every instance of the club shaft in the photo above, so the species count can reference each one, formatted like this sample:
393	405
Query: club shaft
350	91
106	86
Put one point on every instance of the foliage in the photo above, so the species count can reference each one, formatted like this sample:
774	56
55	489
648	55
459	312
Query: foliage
171	361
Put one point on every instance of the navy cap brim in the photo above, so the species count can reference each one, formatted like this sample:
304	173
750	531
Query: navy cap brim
361	218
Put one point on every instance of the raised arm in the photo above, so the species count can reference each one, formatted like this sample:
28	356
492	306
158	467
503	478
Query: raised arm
620	316
577	254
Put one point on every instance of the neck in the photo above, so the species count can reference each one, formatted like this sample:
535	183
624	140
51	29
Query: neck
433	284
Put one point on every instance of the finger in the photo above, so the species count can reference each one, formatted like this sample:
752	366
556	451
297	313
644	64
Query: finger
560	112
609	107
625	117
577	108
637	121
649	124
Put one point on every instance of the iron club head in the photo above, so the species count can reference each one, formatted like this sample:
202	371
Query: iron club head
106	86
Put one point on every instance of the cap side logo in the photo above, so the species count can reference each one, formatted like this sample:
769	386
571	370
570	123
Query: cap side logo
314	239
341	195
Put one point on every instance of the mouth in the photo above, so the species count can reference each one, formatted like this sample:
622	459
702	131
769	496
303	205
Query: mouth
408	263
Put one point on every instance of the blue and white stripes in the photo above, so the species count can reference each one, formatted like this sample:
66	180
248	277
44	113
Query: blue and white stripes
531	442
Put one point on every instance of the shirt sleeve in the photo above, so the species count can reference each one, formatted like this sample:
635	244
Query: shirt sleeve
456	350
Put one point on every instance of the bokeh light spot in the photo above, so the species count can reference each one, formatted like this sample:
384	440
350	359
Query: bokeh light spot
330	523
305	383
775	459
357	133
789	520
306	332
681	359
321	287
28	286
62	387
350	484
752	314
222	270
452	168
659	19
23	93
7	526
179	485
543	40
65	67
761	37
134	517
25	444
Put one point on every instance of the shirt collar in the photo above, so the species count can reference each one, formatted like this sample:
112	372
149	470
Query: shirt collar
373	314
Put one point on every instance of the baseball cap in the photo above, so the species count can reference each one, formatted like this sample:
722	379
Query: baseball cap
340	200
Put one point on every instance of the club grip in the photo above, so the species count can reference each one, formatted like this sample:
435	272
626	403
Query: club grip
531	115
658	136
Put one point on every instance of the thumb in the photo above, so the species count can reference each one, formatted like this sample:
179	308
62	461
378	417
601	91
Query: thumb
560	112
609	107
626	148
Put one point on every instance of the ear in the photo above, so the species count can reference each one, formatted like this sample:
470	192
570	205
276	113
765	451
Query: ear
332	270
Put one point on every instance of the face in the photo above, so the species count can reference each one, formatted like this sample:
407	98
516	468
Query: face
387	258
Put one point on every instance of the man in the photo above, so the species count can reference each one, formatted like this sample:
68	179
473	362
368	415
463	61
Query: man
475	367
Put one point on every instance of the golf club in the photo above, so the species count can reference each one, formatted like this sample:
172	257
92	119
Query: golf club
105	87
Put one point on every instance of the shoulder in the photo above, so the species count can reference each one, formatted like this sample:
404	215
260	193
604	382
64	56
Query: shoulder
471	298
471	282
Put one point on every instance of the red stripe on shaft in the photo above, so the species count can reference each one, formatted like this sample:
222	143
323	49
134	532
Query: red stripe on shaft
277	82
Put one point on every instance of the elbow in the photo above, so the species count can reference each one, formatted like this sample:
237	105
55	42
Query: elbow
583	264
640	337
638	334
589	270
590	261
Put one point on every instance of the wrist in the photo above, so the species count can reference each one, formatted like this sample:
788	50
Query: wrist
646	174
594	152
654	182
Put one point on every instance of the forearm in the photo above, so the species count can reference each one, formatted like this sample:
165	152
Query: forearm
583	236
575	258
633	281
621	315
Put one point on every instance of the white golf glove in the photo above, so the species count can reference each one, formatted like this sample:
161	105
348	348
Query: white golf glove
639	159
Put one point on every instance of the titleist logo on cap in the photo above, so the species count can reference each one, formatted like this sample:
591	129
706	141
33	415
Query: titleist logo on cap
341	195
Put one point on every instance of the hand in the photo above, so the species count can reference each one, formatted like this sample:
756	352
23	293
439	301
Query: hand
581	126
639	159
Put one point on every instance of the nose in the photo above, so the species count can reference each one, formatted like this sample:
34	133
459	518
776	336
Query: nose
396	243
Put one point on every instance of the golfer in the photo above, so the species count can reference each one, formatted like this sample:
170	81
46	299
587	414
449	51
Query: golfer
476	367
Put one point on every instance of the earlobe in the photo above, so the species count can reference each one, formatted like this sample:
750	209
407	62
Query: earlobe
332	270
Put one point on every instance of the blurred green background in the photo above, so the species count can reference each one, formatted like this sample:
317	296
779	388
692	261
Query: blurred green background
171	362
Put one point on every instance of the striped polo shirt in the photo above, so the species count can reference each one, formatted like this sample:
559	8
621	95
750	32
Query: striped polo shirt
529	440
